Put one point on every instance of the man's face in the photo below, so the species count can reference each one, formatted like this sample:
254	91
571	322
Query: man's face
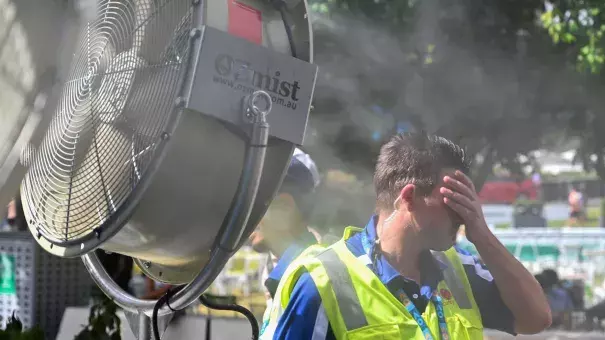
437	223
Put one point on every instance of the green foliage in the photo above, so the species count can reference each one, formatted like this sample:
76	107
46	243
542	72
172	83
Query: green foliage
578	23
569	176
389	12
578	28
526	203
475	71
602	216
103	323
450	68
14	331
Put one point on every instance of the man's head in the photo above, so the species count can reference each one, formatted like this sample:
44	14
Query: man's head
550	277
408	176
289	213
15	217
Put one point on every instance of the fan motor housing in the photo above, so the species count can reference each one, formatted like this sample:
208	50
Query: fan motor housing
158	151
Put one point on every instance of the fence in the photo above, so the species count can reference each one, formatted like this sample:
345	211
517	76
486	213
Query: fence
575	253
38	286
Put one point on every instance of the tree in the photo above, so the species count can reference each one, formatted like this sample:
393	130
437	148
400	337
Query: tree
579	24
577	27
467	70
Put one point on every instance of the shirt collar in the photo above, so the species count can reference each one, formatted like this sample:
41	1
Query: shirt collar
431	268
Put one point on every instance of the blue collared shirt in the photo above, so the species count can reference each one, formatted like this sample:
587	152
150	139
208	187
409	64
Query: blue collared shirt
305	317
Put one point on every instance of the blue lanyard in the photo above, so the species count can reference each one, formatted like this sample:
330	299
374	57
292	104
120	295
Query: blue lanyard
409	305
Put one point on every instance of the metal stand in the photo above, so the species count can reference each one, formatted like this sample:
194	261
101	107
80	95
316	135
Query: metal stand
140	324
139	311
144	327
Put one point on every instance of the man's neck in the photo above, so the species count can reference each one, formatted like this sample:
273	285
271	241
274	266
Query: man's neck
401	247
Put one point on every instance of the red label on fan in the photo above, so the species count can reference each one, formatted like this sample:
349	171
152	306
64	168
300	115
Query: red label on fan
245	22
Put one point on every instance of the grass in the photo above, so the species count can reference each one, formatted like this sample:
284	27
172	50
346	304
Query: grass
593	214
255	302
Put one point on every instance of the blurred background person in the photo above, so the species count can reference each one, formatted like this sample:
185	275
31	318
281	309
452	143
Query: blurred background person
284	231
576	206
559	298
155	289
15	217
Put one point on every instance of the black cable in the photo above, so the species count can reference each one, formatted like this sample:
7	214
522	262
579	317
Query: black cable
208	326
236	308
280	5
154	317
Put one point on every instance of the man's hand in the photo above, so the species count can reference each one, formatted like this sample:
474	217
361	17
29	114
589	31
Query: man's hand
518	288
460	195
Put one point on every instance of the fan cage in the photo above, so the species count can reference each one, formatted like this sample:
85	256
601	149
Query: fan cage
117	109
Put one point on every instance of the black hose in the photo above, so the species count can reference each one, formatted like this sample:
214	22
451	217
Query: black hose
154	317
208	326
280	5
236	308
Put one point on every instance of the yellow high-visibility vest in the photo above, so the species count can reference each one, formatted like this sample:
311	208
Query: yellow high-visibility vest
359	306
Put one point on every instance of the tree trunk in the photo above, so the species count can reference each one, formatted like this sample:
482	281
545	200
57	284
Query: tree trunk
600	165
483	170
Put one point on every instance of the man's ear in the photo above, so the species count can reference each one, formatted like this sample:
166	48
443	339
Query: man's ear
407	197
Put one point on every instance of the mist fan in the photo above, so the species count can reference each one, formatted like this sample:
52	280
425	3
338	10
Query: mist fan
160	146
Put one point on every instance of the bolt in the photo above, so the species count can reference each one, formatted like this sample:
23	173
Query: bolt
179	102
195	33
165	136
147	264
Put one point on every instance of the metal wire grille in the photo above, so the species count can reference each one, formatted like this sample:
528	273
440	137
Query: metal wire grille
114	107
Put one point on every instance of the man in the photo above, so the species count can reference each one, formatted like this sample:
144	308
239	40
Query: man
576	205
15	217
283	232
400	277
559	298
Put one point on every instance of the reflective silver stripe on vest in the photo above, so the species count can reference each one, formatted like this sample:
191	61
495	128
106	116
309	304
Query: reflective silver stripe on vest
454	282
346	297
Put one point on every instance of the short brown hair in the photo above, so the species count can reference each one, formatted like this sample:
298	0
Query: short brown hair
414	158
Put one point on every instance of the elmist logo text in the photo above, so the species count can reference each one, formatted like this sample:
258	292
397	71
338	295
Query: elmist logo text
239	75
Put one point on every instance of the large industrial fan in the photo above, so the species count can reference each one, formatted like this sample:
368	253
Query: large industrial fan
170	137
28	67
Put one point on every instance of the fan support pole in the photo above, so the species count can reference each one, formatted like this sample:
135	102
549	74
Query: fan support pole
229	236
144	327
